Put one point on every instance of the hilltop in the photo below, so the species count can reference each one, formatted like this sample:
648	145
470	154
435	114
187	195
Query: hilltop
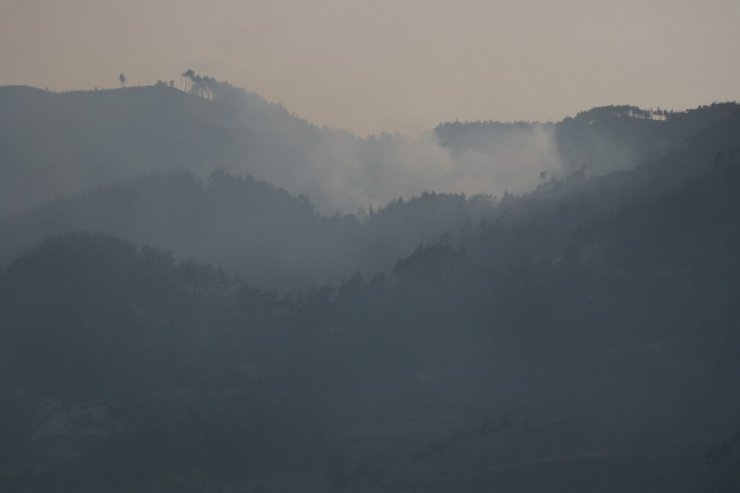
56	145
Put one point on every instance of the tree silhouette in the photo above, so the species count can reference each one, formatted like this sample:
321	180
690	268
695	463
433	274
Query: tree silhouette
122	79
198	85
189	75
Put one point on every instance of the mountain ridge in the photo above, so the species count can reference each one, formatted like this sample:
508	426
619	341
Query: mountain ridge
59	144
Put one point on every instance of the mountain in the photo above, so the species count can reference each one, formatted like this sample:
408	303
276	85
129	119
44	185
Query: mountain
600	140
55	145
572	369
545	220
179	311
276	239
272	238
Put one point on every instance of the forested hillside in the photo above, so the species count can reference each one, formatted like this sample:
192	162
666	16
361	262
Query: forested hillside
183	307
56	145
605	362
273	239
278	240
601	140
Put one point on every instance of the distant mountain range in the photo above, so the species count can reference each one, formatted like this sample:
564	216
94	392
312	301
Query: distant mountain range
57	145
151	165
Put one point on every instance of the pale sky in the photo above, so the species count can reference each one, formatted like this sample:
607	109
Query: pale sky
390	65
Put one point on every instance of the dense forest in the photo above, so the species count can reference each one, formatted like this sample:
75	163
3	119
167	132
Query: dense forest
179	315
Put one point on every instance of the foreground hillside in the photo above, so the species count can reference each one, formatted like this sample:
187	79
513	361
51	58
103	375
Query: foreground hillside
610	363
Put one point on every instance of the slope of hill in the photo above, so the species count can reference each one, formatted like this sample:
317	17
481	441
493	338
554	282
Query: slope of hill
452	371
277	239
273	239
579	337
606	139
56	145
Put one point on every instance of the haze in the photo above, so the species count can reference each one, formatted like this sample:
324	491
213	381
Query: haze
390	66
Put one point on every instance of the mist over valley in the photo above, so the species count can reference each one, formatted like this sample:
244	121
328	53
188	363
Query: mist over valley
201	291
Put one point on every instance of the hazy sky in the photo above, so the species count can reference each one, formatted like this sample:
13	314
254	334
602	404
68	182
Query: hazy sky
390	65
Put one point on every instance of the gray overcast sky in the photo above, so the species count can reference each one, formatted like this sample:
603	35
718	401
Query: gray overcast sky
390	65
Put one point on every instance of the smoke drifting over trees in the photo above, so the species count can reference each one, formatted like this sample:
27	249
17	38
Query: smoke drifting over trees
60	144
202	292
